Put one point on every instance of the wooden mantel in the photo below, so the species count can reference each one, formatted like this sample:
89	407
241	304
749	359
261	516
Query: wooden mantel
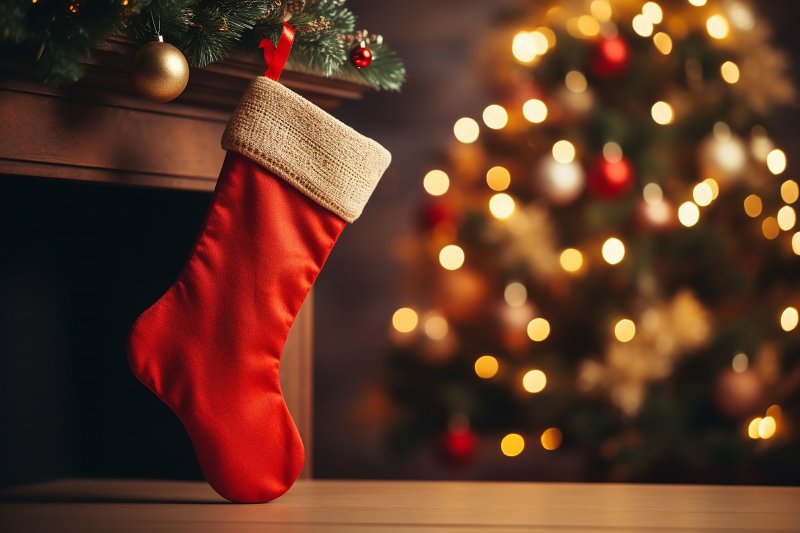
99	130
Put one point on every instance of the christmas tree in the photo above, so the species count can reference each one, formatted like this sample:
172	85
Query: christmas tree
606	259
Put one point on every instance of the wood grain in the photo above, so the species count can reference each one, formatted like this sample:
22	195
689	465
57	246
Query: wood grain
333	506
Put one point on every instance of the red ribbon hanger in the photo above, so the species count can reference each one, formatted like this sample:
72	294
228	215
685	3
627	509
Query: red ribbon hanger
275	56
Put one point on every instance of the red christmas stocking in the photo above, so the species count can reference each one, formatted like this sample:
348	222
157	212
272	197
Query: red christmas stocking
210	348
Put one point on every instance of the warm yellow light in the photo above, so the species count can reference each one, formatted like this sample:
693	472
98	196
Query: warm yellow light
563	151
601	10
714	187
549	35
534	111
571	260
512	444
515	294
753	205
486	366
767	427
534	381
740	362
770	228
612	152
405	320
642	26
698	3
588	25
466	130
776	161
796	243
730	72
501	206
652	193
524	47
498	178
551	439
436	327
789	191
451	257
575	81
653	12
540	42
787	217
495	116
702	194
774	411
624	330
613	251
663	42
752	427
789	318
538	329
436	182
688	214
717	26
662	113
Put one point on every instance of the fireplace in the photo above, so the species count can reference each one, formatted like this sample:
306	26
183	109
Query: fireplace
103	194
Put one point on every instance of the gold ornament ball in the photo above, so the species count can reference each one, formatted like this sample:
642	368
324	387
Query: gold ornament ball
160	71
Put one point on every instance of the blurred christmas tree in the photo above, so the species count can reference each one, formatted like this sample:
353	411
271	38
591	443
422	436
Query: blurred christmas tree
607	265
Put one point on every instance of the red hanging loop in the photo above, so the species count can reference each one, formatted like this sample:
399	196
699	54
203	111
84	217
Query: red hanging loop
275	56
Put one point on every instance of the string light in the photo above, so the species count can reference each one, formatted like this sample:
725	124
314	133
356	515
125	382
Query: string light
571	260
740	362
534	111
653	12
466	130
796	243
663	42
575	81
451	257
512	445
702	194
551	439
540	42
436	182
789	191
776	161
787	218
714	187
498	178
601	10
563	151
717	27
753	205
495	116
730	72
688	214
789	319
436	327
534	381
662	113
642	26
698	3
405	320
515	294
486	366
613	251
652	193
538	329
766	427
502	206
588	25
770	228
549	35
524	47
625	330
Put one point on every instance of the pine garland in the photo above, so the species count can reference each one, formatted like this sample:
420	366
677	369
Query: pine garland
58	35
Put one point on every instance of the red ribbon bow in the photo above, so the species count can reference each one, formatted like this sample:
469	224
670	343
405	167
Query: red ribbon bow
275	56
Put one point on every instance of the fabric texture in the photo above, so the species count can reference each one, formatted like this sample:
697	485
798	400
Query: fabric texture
210	347
327	160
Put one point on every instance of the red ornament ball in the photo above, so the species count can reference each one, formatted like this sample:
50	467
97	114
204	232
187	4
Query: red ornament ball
611	179
361	56
611	57
459	444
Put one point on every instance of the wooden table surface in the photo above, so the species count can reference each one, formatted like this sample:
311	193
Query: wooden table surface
396	506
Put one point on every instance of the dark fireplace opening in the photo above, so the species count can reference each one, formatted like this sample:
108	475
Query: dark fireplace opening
79	262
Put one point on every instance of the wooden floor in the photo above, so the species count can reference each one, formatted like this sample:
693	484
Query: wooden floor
396	506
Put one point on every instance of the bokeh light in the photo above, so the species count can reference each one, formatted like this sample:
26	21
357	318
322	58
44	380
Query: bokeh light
501	205
451	257
524	47
789	191
624	330
534	381
495	116
512	445
486	366
498	178
405	320
787	217
563	151
515	294
776	161
466	130
534	110
571	260
717	26
642	25
688	214
551	439
770	228
613	251
436	327
740	362
730	72
436	182
663	42
789	319
702	194
575	81
662	113
753	205
538	329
